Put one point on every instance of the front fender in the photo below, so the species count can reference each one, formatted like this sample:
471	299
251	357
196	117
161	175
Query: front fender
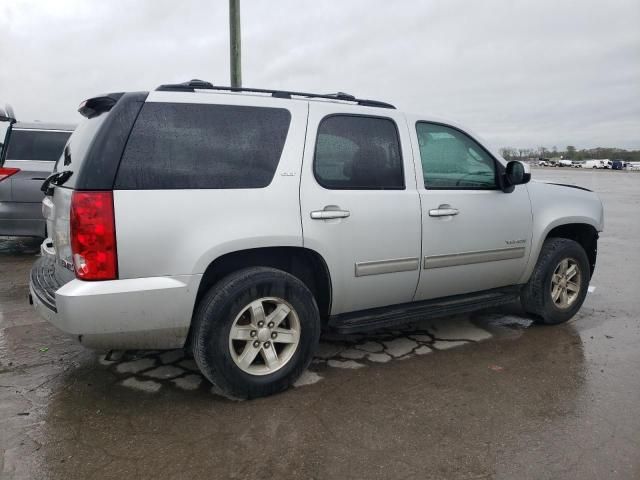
557	205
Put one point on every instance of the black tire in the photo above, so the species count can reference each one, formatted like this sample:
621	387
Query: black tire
214	318
536	295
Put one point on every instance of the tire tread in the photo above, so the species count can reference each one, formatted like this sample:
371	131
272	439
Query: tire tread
533	296
221	292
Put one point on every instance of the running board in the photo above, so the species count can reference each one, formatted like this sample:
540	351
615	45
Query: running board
393	315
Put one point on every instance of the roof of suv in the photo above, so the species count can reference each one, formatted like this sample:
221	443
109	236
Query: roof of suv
67	127
193	85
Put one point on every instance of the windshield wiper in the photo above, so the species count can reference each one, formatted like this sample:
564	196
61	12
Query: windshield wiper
55	179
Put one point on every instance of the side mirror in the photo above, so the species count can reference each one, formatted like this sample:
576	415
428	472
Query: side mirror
516	173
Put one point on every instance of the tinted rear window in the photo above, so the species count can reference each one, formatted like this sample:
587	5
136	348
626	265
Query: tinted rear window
76	150
36	145
183	145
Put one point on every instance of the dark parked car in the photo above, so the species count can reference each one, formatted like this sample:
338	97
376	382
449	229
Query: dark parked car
617	165
31	153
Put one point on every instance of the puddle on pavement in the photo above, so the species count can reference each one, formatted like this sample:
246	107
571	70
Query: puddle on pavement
153	371
153	415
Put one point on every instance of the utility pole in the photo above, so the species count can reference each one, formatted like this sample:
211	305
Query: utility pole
234	43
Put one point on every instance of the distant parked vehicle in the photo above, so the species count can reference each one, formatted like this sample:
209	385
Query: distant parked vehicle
31	152
576	164
617	165
565	163
594	164
633	166
543	163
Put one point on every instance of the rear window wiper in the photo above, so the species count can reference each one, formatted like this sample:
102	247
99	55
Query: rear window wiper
55	179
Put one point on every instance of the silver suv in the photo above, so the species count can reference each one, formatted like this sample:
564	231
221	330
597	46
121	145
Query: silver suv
32	150
239	223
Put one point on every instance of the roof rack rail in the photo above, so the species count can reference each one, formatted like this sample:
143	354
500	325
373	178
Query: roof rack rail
195	84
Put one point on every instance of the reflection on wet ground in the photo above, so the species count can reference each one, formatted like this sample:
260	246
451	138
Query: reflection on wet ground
488	395
149	371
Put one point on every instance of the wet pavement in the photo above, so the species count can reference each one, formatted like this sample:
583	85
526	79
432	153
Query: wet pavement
487	395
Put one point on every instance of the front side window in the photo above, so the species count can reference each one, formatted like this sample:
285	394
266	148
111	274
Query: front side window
359	153
453	160
36	145
188	145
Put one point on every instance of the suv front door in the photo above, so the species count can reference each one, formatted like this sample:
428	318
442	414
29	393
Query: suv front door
359	205
475	237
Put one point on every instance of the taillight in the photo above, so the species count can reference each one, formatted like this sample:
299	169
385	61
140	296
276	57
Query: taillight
93	236
6	172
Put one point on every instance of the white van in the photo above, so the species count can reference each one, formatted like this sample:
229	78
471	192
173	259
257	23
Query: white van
594	164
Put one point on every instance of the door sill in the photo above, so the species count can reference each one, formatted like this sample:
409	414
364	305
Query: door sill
393	315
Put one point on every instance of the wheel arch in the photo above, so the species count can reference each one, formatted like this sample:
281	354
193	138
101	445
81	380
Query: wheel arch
580	229
583	233
305	264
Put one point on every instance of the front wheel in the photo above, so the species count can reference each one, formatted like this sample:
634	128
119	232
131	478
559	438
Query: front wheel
559	282
255	332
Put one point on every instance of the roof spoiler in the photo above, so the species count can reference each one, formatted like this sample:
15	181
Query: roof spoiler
92	107
7	115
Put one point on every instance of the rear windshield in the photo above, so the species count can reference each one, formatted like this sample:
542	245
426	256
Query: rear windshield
184	145
76	149
36	145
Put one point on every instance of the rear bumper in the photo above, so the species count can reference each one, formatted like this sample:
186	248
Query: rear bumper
137	313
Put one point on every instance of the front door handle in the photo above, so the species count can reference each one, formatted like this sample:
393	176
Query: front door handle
329	214
443	211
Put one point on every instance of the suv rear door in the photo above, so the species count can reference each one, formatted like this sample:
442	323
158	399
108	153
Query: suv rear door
359	205
89	163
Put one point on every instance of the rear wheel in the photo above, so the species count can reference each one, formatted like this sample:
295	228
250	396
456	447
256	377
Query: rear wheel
558	285
255	332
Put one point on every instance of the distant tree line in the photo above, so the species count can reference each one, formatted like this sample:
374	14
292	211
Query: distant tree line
570	153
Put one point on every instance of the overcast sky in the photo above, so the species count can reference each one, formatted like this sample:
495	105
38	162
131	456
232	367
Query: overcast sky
520	73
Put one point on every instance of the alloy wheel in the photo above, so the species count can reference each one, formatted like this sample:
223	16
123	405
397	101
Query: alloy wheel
566	282
264	336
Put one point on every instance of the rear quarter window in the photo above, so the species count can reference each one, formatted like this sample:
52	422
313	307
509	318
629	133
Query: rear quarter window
183	146
36	145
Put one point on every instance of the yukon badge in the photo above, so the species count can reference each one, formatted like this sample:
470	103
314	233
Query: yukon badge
515	242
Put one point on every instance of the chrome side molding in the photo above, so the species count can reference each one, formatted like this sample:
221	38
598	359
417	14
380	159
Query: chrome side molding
467	258
387	266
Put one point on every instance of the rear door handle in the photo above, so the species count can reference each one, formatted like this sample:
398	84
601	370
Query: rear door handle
443	212
328	214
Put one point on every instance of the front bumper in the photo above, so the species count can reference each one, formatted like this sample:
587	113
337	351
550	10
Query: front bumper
136	313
